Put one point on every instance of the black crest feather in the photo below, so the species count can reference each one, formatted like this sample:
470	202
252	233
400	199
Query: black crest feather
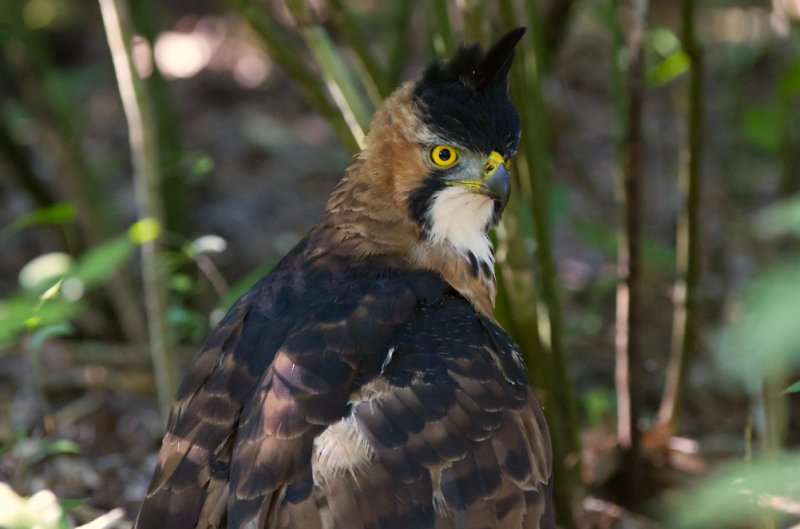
466	98
476	69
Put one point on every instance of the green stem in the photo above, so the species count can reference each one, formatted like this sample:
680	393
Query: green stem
554	28
22	168
144	152
398	40
629	260
536	141
685	297
444	44
173	187
475	19
374	77
340	83
533	171
285	53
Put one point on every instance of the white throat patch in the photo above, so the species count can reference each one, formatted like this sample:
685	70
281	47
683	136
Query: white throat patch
460	217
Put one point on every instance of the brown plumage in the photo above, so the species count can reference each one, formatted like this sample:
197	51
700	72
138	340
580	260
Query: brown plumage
364	383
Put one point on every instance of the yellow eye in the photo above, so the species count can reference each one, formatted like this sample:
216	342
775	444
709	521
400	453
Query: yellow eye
443	155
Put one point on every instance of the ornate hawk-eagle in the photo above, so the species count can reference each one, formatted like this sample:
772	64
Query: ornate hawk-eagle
364	382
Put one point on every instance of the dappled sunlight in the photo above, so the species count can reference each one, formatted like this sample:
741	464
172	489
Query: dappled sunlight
735	24
211	43
180	55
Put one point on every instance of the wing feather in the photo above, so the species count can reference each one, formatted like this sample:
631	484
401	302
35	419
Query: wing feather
450	435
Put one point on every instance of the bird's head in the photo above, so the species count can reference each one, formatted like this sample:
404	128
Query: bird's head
435	163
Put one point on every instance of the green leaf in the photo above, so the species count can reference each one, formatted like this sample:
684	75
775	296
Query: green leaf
197	165
181	283
670	68
71	503
100	263
738	493
35	450
781	218
20	314
145	230
45	334
664	41
61	213
794	388
762	126
764	337
789	84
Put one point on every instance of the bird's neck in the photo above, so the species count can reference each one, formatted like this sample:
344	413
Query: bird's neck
365	224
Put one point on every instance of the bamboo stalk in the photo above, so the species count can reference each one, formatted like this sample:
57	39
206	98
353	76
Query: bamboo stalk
285	53
398	40
535	137
144	152
173	185
685	297
374	78
444	43
22	168
338	80
554	28
537	154
629	259
533	174
516	286
788	99
475	18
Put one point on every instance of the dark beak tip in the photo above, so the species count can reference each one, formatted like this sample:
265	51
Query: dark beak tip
499	185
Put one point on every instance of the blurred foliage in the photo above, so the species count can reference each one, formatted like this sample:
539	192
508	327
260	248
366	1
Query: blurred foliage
40	511
54	284
57	214
345	56
742	492
763	338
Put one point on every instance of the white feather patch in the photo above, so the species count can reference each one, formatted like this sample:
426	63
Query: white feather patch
388	359
340	448
460	217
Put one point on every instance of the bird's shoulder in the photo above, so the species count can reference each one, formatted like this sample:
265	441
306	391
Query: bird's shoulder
275	372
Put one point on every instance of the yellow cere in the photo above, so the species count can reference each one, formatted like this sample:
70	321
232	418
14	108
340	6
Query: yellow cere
494	161
443	156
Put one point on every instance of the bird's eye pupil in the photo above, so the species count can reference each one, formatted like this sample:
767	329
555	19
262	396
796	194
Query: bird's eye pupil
443	156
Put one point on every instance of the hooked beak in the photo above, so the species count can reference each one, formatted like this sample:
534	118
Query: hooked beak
496	180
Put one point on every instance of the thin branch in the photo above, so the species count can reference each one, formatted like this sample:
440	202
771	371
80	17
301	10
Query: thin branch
685	296
340	83
554	28
374	77
141	131
22	168
285	53
444	44
173	179
398	40
538	157
629	258
475	19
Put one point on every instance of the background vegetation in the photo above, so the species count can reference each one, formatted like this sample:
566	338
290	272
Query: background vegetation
158	158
